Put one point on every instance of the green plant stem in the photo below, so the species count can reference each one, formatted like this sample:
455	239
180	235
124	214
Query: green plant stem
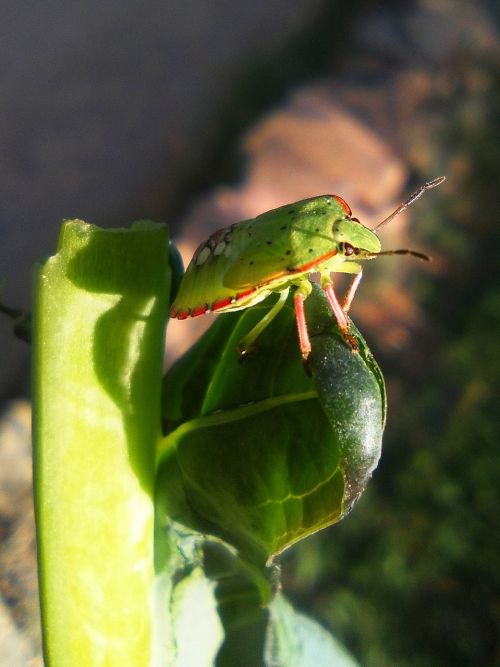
101	305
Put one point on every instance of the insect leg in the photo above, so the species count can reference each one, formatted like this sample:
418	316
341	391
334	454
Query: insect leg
338	312
340	316
349	295
304	341
245	345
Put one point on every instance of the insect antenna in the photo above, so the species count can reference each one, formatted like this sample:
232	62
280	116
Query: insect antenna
412	198
402	251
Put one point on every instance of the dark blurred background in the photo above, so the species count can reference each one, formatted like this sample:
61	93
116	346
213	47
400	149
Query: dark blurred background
202	114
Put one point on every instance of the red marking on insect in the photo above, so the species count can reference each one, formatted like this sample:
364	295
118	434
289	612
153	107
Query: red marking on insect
298	269
200	310
242	295
313	263
222	303
182	314
344	204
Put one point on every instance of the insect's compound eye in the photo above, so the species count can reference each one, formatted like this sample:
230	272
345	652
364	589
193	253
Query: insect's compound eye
348	249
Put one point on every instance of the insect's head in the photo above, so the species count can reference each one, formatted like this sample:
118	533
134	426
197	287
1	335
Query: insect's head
355	241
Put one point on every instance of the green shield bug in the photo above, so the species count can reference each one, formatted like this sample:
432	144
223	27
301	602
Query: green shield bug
240	265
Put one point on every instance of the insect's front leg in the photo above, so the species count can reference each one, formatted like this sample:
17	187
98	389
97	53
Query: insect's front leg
338	310
349	295
302	292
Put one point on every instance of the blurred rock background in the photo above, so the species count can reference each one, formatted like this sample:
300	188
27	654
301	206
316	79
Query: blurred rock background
209	114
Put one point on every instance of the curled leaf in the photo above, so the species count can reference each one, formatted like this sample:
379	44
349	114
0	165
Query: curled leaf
257	452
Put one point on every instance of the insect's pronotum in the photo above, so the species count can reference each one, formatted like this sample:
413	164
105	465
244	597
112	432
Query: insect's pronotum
240	265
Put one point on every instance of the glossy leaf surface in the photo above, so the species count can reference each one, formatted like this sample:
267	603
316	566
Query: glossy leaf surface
256	451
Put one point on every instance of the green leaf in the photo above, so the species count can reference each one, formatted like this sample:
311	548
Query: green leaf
213	590
99	321
259	453
297	641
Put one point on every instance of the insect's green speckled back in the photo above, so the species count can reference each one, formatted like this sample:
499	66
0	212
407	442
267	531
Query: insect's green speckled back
283	240
262	252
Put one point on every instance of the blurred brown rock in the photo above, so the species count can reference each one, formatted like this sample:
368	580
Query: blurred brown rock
19	617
